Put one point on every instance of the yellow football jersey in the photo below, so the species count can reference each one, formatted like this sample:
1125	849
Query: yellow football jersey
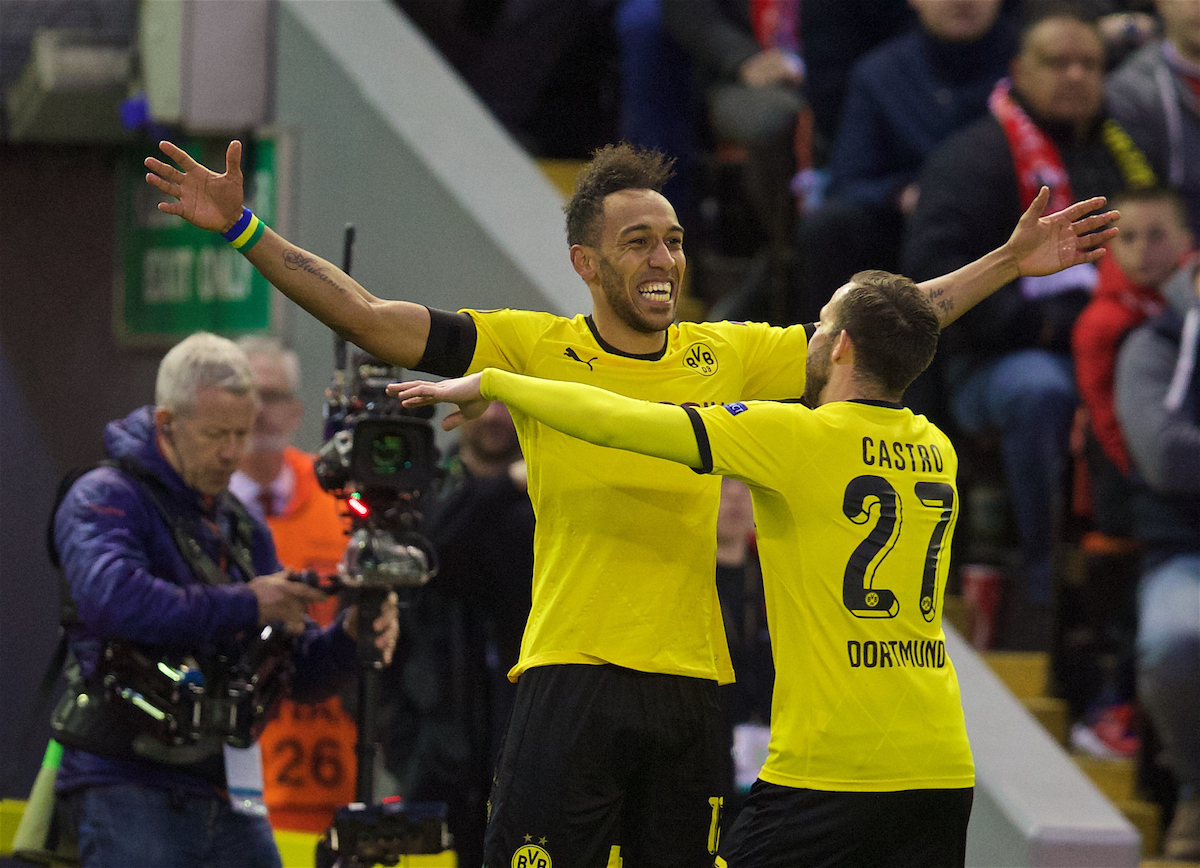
625	545
854	505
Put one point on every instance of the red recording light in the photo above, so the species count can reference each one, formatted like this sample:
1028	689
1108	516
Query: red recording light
358	507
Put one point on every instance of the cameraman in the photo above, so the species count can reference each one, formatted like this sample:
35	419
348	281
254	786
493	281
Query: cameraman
157	554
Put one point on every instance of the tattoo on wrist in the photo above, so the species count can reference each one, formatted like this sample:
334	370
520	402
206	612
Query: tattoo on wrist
294	260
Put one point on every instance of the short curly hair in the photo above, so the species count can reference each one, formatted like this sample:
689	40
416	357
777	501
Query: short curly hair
612	168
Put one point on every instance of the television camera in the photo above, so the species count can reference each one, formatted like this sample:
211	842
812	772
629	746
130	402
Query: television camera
381	459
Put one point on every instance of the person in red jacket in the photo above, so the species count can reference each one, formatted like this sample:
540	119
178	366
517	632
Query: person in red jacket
1154	241
308	749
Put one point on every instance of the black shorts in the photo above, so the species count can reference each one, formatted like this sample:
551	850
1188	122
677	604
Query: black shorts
602	764
786	827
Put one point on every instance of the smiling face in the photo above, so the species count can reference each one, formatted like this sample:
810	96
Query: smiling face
636	269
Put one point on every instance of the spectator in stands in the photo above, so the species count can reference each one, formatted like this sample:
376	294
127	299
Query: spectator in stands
747	58
448	699
1158	404
1154	240
904	98
1155	94
659	107
545	68
836	33
1009	365
1096	670
308	749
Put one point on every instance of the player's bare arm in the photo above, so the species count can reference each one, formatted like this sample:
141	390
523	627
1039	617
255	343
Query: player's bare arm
395	331
1040	244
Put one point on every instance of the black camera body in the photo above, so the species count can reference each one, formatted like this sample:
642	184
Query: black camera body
381	457
364	835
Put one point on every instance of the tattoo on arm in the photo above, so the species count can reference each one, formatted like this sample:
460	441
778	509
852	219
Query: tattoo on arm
943	303
294	260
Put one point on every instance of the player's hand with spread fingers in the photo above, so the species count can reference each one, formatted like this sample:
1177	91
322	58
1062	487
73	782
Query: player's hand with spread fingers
202	197
463	391
1043	244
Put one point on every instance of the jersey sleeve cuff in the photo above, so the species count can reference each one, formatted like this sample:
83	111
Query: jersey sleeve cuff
706	460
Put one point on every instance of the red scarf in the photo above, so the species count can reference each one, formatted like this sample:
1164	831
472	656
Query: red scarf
776	24
1039	163
1036	158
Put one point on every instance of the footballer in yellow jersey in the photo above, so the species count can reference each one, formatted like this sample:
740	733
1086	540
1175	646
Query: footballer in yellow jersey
854	507
624	545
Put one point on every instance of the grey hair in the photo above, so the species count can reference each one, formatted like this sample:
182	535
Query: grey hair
272	347
200	361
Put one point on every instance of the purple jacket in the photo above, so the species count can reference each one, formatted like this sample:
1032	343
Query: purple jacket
129	581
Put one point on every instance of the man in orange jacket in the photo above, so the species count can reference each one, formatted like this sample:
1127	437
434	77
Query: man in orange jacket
307	750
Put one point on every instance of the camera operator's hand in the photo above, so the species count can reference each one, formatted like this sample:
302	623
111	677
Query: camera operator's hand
463	391
203	198
386	626
282	600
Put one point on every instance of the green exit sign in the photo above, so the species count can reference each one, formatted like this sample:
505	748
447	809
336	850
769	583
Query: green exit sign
172	278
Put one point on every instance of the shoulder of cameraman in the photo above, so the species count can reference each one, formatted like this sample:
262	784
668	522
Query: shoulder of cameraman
126	576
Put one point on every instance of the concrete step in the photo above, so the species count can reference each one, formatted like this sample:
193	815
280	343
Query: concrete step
1116	778
1052	713
561	173
1025	673
1147	819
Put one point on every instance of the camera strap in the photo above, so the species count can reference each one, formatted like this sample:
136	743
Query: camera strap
182	531
185	532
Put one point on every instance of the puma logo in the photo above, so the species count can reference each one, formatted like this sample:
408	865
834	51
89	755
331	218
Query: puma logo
570	354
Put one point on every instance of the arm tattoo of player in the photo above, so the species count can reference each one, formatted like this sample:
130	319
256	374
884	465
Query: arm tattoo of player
944	304
294	260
